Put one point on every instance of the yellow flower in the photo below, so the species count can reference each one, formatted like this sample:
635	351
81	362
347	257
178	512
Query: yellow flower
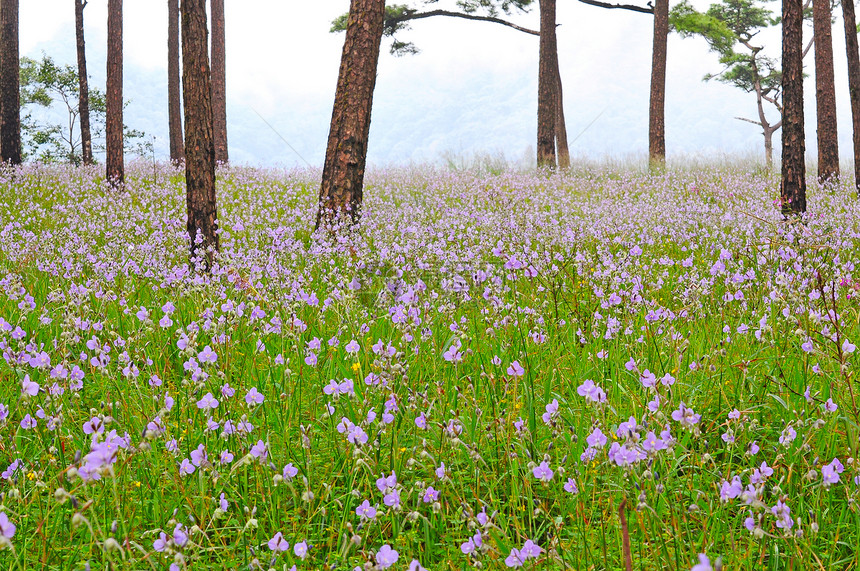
31	475
356	367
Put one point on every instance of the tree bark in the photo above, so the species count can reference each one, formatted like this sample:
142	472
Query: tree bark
547	83
657	109
114	160
768	147
346	154
793	183
219	82
10	98
825	92
560	124
174	97
199	145
83	85
851	47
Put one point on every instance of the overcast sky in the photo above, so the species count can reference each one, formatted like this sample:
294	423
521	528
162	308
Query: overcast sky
472	89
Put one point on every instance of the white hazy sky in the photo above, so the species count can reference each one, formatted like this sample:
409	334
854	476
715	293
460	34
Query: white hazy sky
472	89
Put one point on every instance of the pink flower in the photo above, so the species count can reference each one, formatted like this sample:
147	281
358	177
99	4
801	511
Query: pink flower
543	472
278	543
254	396
386	557
516	369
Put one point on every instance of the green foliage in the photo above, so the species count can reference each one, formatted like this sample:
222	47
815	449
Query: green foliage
48	85
686	21
729	28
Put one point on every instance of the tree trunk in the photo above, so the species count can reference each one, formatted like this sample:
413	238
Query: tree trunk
174	105
793	184
199	145
657	109
83	85
851	47
547	99
219	82
768	148
346	154
825	92
114	160
560	124
10	101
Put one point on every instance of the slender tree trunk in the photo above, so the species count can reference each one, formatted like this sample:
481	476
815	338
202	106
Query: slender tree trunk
560	124
657	109
547	83
825	92
174	97
219	82
199	145
768	147
114	161
83	85
851	48
793	184
10	102
346	154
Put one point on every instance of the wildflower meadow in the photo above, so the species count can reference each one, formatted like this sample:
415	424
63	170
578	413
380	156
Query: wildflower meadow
595	369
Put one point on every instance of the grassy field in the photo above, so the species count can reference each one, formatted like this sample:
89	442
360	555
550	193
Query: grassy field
508	370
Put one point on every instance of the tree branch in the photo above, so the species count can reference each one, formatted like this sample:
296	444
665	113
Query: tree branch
748	121
630	7
421	15
808	46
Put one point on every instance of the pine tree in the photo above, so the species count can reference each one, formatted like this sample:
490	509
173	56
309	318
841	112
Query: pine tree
199	145
174	93
114	160
10	99
342	185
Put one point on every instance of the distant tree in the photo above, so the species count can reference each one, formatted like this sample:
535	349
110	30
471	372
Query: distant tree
657	109
219	82
174	96
853	53
825	92
547	86
199	144
83	87
398	17
744	62
10	108
47	85
659	56
342	184
793	184
684	20
114	162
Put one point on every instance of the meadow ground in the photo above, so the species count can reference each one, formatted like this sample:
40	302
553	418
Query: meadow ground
509	370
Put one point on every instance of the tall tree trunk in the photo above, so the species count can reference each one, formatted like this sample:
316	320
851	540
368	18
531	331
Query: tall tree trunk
825	92
174	105
346	154
657	109
199	145
83	85
547	100
851	47
793	183
10	98
114	160
560	124
219	82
